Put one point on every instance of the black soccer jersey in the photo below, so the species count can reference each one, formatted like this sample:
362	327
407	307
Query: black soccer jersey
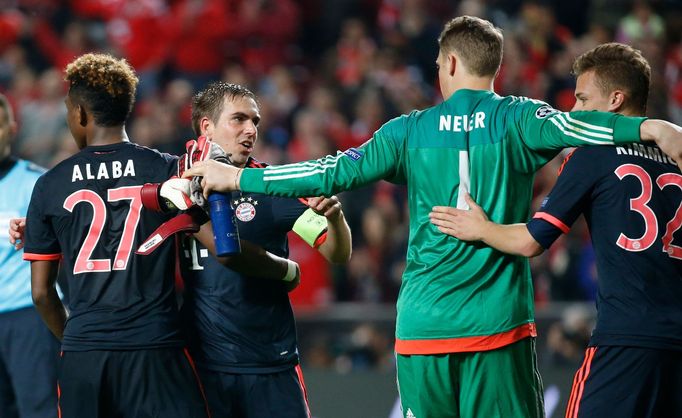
87	211
631	198
241	324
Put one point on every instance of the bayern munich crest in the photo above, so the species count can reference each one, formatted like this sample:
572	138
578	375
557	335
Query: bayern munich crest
245	209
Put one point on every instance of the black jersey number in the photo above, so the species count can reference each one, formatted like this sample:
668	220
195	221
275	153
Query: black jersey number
85	264
639	205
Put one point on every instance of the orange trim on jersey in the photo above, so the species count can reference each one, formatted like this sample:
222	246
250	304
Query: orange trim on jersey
553	220
301	383
201	386
320	240
579	383
59	398
465	344
568	157
42	257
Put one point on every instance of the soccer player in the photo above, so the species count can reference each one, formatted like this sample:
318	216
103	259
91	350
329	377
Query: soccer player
242	330
122	347
630	196
465	328
28	351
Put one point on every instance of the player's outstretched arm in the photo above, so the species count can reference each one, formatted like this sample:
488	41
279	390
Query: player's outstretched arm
474	225
45	297
252	261
668	137
337	246
16	232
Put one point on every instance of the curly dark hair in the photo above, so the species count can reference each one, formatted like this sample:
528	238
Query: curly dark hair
105	85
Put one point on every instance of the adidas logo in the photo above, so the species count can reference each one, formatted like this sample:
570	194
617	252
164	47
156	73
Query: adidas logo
409	414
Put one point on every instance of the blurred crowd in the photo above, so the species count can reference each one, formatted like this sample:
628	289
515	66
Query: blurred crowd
327	74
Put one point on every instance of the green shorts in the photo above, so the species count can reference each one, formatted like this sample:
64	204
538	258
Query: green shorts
486	384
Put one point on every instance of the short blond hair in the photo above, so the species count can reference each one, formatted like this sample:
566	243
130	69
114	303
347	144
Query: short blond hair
476	41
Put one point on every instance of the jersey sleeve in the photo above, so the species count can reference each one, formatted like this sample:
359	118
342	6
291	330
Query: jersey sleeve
566	201
379	158
542	127
40	239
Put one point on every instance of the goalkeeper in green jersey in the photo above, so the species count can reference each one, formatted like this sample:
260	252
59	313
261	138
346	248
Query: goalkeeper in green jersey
465	333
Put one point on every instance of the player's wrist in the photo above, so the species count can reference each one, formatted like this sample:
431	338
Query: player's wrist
292	272
237	178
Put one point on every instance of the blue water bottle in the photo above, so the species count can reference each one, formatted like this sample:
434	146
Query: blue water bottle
225	232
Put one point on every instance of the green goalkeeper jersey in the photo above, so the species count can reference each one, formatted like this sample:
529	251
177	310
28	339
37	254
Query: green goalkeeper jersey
455	295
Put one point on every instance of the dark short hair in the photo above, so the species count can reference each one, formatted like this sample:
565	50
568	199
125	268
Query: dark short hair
105	85
618	67
209	102
476	41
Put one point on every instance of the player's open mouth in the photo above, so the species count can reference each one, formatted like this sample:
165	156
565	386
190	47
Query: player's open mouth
247	145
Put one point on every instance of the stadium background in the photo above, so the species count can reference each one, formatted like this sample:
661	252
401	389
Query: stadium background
328	73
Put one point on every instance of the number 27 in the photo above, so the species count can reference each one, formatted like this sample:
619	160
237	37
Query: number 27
84	264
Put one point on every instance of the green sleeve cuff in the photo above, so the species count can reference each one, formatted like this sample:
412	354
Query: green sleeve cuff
252	180
626	129
309	226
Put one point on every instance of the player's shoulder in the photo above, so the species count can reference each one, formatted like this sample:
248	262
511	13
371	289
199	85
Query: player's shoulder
151	153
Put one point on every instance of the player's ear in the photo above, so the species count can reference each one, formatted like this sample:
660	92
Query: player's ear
82	115
206	127
616	101
452	64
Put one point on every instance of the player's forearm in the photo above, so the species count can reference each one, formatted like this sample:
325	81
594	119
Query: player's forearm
667	136
337	246
511	239
252	261
45	297
578	129
52	312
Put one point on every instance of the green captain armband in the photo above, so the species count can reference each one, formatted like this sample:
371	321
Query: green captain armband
310	226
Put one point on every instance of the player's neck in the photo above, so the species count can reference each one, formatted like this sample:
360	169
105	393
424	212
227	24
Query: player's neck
472	83
107	135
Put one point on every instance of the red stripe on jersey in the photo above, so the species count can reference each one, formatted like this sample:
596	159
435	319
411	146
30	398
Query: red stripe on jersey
320	240
59	398
553	220
465	344
196	376
568	157
42	257
579	383
301	383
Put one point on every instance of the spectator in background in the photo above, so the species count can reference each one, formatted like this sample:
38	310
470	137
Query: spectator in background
28	351
640	24
42	119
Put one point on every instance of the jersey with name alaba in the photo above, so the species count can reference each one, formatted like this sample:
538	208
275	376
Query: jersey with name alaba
87	211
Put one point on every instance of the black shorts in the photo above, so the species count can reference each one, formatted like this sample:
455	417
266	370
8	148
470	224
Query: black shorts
281	395
130	384
623	382
28	366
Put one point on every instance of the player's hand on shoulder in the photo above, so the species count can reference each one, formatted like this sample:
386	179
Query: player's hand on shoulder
462	224
177	192
16	232
668	137
329	207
